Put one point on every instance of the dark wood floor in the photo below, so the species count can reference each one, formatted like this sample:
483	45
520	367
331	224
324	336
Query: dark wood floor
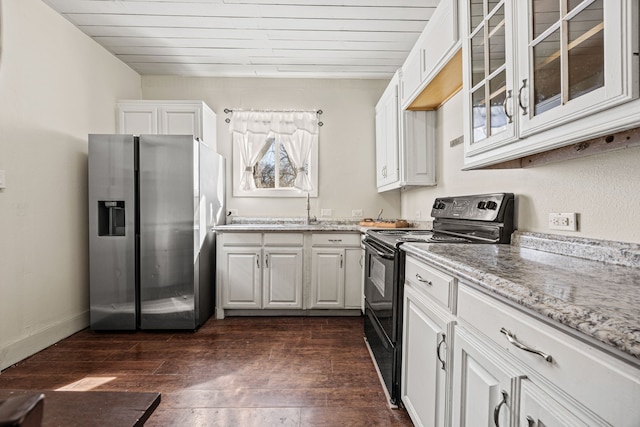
240	371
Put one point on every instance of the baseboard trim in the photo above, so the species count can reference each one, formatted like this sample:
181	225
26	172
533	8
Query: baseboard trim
14	352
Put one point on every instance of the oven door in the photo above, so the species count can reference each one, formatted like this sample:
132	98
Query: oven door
381	287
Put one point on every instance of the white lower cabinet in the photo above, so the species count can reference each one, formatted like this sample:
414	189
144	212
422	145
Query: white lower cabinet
257	270
327	280
265	275
241	278
425	381
539	409
336	266
503	367
485	385
282	278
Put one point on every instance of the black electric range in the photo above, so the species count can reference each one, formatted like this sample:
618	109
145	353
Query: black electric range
475	219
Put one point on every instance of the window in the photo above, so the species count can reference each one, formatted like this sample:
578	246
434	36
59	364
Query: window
274	154
269	173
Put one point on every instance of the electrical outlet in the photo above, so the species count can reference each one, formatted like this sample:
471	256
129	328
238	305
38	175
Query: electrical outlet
356	213
418	214
233	212
326	212
563	221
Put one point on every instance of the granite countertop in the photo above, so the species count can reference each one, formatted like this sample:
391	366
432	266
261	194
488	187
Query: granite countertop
294	227
579	292
248	224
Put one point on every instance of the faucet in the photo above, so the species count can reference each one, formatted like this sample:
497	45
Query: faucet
309	219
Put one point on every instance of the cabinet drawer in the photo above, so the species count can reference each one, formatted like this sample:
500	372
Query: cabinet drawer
283	239
332	239
602	383
241	239
430	281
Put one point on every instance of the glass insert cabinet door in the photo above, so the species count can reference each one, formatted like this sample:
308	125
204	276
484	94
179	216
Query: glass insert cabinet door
489	72
572	60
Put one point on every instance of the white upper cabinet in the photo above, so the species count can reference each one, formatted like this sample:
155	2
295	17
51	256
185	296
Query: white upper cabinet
139	117
571	61
488	73
434	48
405	143
543	74
387	136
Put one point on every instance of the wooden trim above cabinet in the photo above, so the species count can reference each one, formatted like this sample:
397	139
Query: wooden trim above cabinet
444	85
607	143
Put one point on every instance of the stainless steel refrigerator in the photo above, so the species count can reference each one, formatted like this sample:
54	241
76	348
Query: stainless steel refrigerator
153	203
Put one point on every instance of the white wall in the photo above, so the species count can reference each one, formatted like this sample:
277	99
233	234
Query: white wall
604	189
346	144
56	86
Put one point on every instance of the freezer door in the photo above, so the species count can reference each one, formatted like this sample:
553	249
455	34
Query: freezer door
168	191
112	204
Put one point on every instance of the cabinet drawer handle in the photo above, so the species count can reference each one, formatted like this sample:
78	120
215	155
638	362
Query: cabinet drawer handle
524	107
438	351
504	106
335	240
513	341
420	279
496	411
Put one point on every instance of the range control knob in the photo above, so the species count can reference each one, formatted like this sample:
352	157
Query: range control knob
492	205
438	205
482	205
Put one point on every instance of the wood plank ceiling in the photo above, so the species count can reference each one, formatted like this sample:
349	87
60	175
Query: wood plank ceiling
254	38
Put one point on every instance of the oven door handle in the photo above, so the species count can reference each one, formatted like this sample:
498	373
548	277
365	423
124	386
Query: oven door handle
377	251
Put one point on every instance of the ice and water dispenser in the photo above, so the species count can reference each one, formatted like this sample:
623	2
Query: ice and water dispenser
111	218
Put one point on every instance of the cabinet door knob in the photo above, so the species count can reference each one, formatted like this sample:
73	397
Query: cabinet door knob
420	279
524	107
504	106
496	411
513	341
438	351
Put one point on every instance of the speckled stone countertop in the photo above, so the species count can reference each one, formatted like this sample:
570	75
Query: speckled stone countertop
288	224
247	224
564	280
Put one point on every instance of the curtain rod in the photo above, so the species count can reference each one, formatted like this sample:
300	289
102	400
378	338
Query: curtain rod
318	112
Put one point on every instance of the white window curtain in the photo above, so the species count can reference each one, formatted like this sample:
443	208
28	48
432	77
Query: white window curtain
297	130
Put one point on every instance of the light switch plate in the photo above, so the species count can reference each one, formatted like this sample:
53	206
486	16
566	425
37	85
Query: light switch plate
3	179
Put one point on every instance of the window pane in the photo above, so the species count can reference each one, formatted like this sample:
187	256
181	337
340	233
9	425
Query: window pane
491	4
288	172
546	13
264	172
477	13
547	73
498	91
571	4
477	58
496	41
479	111
586	50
